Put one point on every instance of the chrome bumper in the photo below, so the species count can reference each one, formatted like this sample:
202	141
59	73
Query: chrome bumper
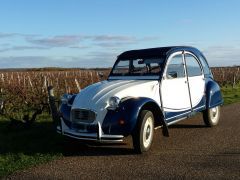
99	136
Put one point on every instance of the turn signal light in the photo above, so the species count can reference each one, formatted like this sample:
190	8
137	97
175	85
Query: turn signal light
121	122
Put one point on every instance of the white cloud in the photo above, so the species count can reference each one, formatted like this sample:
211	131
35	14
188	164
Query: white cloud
6	35
222	55
112	38
56	41
75	40
97	60
20	48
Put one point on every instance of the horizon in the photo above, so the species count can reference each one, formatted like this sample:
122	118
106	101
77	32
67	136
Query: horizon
80	34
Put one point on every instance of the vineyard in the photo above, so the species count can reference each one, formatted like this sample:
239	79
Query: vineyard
23	94
226	75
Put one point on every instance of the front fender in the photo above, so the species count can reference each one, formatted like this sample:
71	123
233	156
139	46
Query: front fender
128	112
213	94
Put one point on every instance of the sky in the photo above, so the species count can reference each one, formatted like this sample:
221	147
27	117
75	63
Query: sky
92	33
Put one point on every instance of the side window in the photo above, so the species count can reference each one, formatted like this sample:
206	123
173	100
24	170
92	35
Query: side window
175	67
193	67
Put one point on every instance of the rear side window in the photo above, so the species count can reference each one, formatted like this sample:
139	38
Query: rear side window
206	69
193	67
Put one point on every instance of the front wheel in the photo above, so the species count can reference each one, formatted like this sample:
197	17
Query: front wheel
211	116
143	133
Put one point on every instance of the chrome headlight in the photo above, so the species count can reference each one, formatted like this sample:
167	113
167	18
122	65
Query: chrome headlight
65	98
113	103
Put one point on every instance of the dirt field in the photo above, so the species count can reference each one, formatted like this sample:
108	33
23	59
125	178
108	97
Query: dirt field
191	152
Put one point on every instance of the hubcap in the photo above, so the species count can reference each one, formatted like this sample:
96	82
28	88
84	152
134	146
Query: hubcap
214	114
148	132
214	111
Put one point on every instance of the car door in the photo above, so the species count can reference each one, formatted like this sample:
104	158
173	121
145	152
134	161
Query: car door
174	88
196	81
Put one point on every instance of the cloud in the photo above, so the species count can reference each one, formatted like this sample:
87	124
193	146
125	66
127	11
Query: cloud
113	44
222	55
120	41
19	48
23	61
149	38
96	60
56	41
79	47
12	35
73	41
114	38
216	56
109	45
102	54
5	45
6	35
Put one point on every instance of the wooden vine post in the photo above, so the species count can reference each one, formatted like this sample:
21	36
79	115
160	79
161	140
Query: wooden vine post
53	107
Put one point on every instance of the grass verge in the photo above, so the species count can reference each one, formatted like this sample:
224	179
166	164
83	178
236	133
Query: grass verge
231	94
21	148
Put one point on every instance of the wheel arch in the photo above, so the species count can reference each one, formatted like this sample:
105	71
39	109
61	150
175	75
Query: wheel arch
129	110
136	105
157	112
213	94
158	115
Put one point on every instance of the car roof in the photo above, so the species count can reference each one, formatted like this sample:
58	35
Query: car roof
161	52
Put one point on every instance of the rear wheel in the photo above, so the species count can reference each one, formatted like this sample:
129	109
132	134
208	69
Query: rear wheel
211	116
143	133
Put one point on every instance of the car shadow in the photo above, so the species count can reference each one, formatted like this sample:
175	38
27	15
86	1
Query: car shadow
41	138
186	126
96	149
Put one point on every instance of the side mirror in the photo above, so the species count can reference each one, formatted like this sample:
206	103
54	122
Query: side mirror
141	61
172	75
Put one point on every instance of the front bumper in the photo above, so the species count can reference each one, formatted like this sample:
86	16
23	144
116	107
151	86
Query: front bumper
99	136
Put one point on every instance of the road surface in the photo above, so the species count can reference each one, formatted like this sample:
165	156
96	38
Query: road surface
192	151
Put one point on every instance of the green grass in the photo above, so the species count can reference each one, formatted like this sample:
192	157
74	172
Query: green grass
230	94
21	148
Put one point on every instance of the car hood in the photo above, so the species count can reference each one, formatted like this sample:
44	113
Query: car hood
95	97
98	94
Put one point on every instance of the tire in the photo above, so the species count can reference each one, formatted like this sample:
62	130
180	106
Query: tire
143	133
211	116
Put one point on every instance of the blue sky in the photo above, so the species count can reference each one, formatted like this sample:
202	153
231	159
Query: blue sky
77	33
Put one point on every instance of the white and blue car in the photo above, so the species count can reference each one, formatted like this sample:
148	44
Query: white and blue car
146	89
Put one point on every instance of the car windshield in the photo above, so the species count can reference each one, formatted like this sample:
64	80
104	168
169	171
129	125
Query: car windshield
138	67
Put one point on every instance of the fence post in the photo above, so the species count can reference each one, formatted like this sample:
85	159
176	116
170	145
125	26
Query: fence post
234	81
78	86
53	107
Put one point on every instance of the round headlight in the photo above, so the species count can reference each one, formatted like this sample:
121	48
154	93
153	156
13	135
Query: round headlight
113	103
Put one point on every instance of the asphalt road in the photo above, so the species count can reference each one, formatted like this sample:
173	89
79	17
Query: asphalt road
192	151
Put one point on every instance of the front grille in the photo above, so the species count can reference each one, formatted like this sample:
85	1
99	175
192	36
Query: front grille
83	115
